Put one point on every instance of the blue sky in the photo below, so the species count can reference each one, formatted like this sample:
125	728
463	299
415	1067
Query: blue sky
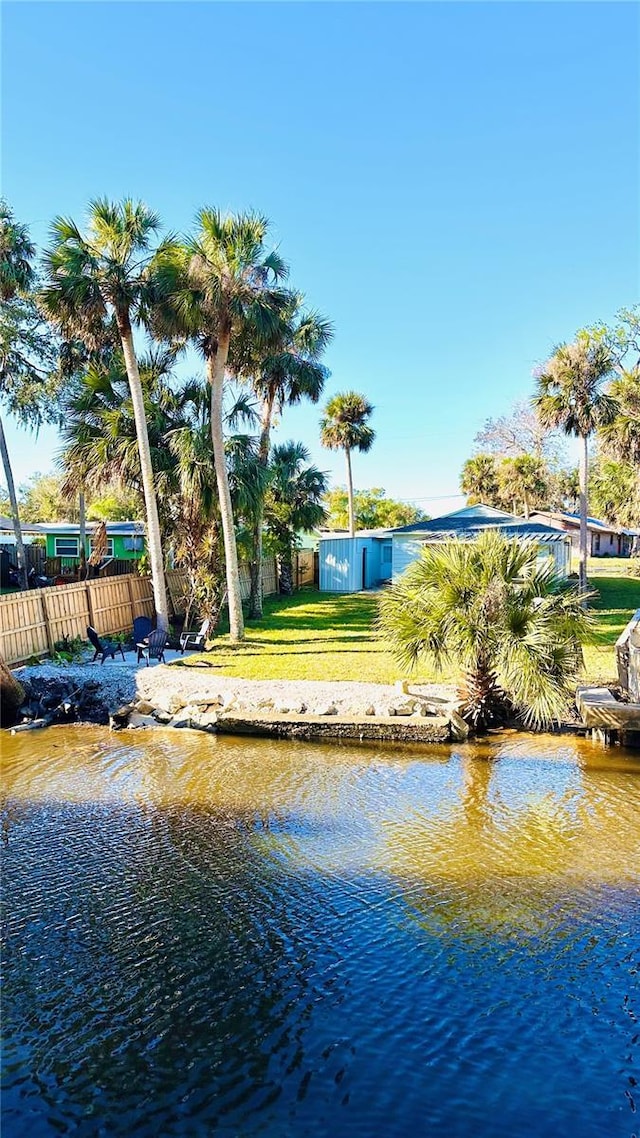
455	185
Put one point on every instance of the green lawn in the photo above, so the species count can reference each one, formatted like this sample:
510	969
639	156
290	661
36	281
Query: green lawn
324	636
617	600
311	636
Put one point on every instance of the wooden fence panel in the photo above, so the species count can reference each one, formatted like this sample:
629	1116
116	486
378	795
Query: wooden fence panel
23	626
269	577
110	605
177	584
245	581
67	611
141	594
36	558
304	574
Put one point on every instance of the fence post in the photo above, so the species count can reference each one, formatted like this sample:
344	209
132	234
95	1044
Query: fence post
131	597
47	626
92	615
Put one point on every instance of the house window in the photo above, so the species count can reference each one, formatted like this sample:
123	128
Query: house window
385	553
66	547
597	543
134	544
109	550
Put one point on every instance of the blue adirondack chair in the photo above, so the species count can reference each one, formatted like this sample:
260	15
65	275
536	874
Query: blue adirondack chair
103	648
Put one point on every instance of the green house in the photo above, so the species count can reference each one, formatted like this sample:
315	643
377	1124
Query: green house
125	540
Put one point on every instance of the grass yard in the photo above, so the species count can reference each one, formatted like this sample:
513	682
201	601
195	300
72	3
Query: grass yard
310	636
328	636
617	600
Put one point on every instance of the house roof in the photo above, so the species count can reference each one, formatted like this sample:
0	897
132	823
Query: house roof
26	527
114	529
472	520
596	525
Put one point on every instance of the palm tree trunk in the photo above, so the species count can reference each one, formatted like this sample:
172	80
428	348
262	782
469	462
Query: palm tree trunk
583	476
286	573
15	514
82	568
525	499
255	565
216	366
154	539
352	516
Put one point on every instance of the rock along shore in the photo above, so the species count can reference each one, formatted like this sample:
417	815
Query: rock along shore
298	709
201	699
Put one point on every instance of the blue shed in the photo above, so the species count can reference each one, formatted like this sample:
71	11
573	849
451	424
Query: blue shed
351	564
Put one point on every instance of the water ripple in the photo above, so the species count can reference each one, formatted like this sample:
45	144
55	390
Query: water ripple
244	938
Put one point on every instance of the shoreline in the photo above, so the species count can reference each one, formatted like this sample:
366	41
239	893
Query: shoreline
201	699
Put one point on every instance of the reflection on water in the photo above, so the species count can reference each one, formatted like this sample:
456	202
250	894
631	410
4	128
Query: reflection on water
215	936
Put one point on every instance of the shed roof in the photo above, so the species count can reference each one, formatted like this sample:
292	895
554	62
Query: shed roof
343	533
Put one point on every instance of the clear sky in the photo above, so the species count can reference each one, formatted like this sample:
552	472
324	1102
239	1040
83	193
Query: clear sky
454	184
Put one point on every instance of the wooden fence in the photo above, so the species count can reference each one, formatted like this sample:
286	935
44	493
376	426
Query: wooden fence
269	578
32	622
306	568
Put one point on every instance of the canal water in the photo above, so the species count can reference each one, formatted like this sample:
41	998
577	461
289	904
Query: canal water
211	936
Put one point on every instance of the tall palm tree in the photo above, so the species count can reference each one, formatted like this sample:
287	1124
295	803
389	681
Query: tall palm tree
570	394
479	480
96	276
212	288
506	620
293	502
289	372
26	351
100	450
344	427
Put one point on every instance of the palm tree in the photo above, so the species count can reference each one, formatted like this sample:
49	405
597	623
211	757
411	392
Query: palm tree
620	438
345	427
293	502
17	251
290	372
99	431
613	491
212	289
100	450
98	276
524	478
570	394
479	480
26	352
507	620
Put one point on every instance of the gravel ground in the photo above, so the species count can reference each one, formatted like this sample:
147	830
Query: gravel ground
118	684
122	682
